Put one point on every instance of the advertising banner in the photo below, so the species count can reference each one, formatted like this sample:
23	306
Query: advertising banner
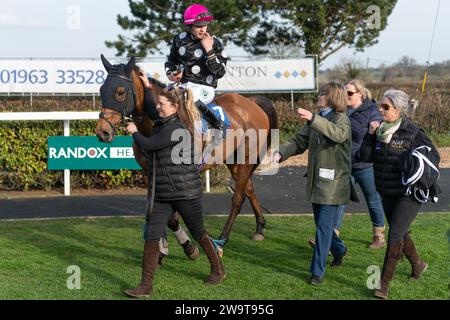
86	76
88	153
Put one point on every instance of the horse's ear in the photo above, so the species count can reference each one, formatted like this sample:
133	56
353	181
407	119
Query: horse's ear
130	66
106	63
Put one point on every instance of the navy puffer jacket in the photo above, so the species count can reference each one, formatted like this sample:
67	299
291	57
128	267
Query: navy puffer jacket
360	120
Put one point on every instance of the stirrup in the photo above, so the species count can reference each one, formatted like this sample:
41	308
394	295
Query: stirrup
219	125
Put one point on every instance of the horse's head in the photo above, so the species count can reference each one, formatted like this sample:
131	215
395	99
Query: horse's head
118	98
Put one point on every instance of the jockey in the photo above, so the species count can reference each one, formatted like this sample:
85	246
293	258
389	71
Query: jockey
197	60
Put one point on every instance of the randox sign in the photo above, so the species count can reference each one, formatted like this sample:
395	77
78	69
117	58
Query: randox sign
88	153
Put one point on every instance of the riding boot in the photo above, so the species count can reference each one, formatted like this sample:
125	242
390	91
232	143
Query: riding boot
149	265
217	268
211	117
417	264
378	238
391	258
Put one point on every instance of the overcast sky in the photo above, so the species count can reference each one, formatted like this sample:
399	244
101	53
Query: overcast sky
50	29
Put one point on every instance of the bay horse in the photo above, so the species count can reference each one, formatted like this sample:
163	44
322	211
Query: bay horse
123	97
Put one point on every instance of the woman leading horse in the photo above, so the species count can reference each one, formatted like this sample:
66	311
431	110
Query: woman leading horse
176	184
122	96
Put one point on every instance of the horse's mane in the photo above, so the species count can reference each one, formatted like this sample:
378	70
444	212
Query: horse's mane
157	83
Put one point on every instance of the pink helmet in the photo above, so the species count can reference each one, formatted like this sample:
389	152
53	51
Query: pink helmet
197	15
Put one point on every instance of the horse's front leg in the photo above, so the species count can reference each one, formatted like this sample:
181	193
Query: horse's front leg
241	174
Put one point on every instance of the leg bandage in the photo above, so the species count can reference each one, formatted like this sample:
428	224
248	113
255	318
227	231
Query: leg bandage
164	246
181	235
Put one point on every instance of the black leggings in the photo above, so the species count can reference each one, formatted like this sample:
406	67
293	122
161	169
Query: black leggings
190	210
400	213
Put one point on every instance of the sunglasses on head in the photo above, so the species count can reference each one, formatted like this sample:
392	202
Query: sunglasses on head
322	93
351	93
386	106
178	93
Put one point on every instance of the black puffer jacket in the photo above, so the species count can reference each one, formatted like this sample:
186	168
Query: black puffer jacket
386	157
173	181
199	66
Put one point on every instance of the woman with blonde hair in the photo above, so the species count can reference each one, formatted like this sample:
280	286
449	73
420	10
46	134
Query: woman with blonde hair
362	110
174	181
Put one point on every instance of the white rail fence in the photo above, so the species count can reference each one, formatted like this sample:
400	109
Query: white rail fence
66	117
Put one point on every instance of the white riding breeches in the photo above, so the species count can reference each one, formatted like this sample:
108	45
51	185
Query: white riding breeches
200	92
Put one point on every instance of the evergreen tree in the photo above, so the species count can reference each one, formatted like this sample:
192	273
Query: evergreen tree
319	27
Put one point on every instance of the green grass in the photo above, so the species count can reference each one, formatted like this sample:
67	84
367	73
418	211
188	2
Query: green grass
34	256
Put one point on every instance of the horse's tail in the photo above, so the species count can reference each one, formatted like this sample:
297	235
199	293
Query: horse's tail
268	107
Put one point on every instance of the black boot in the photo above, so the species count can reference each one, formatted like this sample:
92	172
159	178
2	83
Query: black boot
211	117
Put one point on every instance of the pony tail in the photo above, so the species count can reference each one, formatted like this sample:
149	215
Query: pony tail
191	110
187	112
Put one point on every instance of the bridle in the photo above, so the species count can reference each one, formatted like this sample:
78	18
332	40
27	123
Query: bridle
124	120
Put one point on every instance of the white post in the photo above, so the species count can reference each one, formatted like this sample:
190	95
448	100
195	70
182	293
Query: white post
292	99
208	189
66	171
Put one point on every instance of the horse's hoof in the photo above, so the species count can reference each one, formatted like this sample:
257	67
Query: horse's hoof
193	256
258	237
190	250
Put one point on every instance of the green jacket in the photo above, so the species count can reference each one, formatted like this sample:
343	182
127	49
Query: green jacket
329	141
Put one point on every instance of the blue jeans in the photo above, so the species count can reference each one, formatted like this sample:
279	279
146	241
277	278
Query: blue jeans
325	217
366	180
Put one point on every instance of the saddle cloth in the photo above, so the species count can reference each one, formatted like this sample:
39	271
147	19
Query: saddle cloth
219	113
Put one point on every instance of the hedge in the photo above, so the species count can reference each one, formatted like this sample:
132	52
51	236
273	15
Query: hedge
23	160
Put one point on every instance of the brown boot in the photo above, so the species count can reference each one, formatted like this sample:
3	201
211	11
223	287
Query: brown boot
217	268
391	258
417	264
149	265
378	238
